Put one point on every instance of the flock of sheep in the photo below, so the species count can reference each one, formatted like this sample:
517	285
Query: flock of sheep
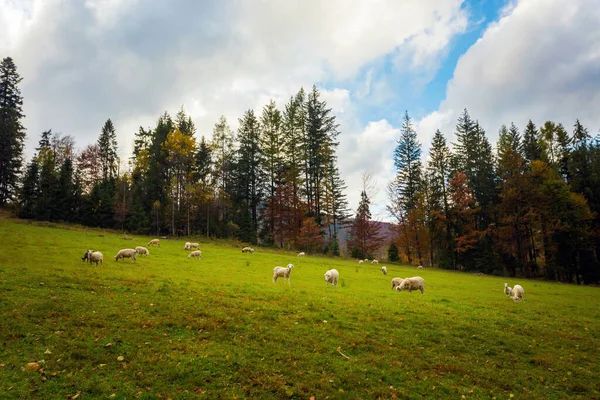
331	276
96	257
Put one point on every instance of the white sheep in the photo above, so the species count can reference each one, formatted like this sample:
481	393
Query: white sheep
396	282
247	250
507	290
126	253
384	270
414	283
518	292
154	242
360	261
195	253
190	246
332	276
420	267
301	254
142	251
285	272
374	262
95	257
366	260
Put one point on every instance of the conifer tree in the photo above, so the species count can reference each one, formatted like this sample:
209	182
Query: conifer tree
531	146
107	146
12	132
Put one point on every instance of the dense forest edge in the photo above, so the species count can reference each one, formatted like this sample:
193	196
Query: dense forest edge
527	207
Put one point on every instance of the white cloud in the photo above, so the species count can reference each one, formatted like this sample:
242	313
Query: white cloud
541	60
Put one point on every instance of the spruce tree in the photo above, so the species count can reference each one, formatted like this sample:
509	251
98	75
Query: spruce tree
107	143
12	132
531	146
29	190
407	159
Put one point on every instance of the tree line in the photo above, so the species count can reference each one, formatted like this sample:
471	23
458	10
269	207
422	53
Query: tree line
530	207
527	207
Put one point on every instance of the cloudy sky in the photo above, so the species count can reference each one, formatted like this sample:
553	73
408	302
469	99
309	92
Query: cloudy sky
83	61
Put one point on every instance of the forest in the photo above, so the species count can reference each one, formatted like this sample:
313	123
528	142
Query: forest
528	206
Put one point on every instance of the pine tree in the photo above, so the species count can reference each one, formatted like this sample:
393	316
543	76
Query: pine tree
319	144
439	167
393	252
66	193
107	144
273	150
407	160
365	237
29	190
12	132
250	180
531	146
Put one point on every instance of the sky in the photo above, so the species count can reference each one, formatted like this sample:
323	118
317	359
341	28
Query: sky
84	61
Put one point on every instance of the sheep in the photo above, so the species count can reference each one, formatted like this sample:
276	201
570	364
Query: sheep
420	267
190	246
366	260
86	255
142	251
301	254
360	261
414	283
95	257
195	253
332	276
247	250
396	282
154	242
374	262
384	270
126	253
518	293
285	272
507	290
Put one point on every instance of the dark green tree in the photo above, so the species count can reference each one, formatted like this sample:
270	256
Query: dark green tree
531	146
29	190
393	252
12	132
107	144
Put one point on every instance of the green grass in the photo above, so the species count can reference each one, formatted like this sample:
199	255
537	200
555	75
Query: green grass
219	328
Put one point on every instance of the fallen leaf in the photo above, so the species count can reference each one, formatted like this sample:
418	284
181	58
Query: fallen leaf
33	366
47	351
120	358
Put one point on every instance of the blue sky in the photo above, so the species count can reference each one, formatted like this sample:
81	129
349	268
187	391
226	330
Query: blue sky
131	60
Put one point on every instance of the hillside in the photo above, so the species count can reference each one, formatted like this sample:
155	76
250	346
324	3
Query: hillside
171	327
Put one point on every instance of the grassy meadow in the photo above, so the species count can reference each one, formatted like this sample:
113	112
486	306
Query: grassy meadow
171	327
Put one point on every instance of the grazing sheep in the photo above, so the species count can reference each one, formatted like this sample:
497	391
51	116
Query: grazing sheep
507	290
396	282
366	260
301	254
126	253
190	246
247	250
195	253
154	242
374	262
518	292
360	261
420	267
86	255
332	276
285	272
142	251
384	270
414	283
95	257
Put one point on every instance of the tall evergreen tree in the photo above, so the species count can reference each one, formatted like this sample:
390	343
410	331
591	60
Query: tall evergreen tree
531	146
12	132
249	175
107	145
320	144
439	167
29	190
407	160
